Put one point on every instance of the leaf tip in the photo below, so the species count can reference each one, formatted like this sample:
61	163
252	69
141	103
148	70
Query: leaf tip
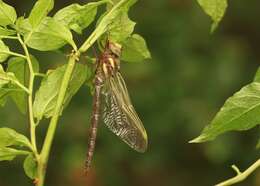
199	139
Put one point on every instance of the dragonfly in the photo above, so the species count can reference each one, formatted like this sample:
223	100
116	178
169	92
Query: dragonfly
112	104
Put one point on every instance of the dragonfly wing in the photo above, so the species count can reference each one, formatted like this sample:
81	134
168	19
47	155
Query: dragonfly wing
119	114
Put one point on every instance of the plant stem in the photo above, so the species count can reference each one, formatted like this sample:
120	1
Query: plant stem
39	74
8	37
17	83
22	87
30	96
13	54
54	120
240	175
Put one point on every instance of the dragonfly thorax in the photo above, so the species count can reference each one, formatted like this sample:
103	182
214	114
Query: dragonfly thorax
110	66
109	61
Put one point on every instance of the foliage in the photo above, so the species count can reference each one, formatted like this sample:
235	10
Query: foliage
41	32
46	96
215	9
238	113
241	111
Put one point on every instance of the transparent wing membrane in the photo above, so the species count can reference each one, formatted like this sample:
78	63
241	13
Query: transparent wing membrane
119	114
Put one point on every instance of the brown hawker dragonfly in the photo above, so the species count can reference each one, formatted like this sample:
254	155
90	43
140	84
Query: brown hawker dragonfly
112	103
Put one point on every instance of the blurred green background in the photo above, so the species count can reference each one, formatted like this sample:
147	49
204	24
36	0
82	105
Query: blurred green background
176	94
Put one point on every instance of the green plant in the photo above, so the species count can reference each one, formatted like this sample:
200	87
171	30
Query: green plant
41	32
241	111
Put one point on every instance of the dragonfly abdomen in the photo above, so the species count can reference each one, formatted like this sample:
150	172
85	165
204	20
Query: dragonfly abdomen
94	125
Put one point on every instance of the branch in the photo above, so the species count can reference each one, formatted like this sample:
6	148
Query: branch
13	54
22	86
13	80
240	175
44	156
8	37
30	96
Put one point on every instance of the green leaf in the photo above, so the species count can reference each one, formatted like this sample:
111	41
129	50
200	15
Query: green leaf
3	51
40	11
215	9
6	32
121	28
8	154
77	17
7	77
4	93
23	25
7	14
10	85
240	112
257	76
48	35
47	95
135	49
30	166
20	68
10	137
3	77
115	13
107	19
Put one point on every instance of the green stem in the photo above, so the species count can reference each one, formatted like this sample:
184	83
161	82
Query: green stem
54	120
30	96
240	175
13	54
89	42
22	87
39	74
12	89
15	82
8	37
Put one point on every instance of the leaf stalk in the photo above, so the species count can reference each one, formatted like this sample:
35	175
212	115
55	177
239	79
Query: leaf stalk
241	176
